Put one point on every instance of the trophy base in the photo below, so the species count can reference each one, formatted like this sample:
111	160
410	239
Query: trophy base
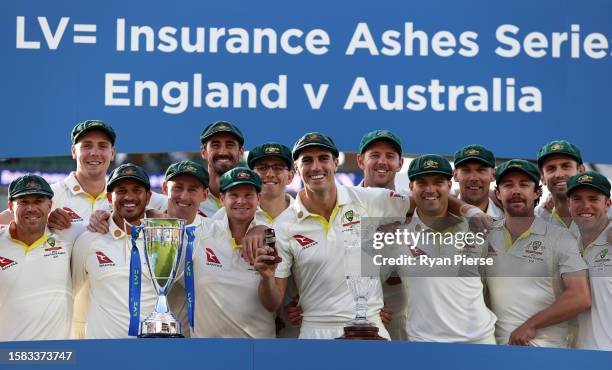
160	335
160	325
362	332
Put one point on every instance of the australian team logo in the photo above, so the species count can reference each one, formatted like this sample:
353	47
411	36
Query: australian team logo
6	263
52	249
304	241
585	178
243	175
602	258
430	164
534	251
471	151
350	218
556	147
272	150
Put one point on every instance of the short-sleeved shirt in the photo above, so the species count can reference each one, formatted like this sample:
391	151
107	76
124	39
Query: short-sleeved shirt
35	286
103	261
69	195
595	325
526	278
227	303
313	251
445	301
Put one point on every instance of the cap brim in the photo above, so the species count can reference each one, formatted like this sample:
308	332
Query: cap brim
477	159
32	192
397	147
592	186
296	153
543	158
288	161
110	185
517	169
431	172
108	133
168	178
227	131
241	182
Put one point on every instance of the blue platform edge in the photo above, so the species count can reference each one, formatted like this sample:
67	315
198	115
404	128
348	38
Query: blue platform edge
284	354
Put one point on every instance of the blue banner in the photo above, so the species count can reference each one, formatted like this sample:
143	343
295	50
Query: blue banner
283	354
442	74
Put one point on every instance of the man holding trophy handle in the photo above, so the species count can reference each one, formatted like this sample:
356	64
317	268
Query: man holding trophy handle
312	239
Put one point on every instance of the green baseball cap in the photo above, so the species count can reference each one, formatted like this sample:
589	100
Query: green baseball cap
128	171
270	150
314	139
379	135
591	179
188	168
83	127
29	184
429	164
475	152
239	176
521	165
559	147
221	126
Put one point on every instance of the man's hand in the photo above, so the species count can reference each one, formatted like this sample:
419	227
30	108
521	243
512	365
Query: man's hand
522	335
549	203
293	311
479	222
386	315
253	240
98	223
59	219
265	262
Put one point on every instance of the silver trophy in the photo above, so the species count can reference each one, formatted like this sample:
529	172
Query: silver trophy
163	241
361	284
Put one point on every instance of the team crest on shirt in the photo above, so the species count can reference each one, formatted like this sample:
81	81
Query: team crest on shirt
74	217
212	259
53	249
534	251
6	263
602	260
349	219
304	241
103	260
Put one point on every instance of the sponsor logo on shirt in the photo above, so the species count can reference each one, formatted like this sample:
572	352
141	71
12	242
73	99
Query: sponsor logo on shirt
211	258
103	260
416	251
304	241
602	259
6	263
74	217
393	194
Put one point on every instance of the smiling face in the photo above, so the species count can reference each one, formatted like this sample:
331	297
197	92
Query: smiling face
240	202
379	163
474	179
93	154
317	167
31	213
588	207
222	151
129	199
556	170
275	176
518	193
430	194
185	193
